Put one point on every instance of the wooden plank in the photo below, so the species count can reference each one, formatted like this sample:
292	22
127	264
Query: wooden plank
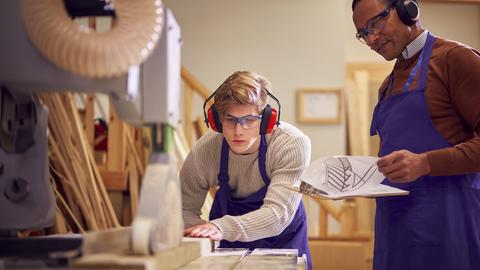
165	260
103	191
131	151
187	120
322	222
118	203
195	84
69	201
63	206
100	158
84	151
60	226
71	186
200	127
80	168
365	215
116	159
329	207
148	146
347	218
111	241
89	119
115	180
133	184
139	146
65	129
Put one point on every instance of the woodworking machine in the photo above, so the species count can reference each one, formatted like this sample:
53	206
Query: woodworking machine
146	92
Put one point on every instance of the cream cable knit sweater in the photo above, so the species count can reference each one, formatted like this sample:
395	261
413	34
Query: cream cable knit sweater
288	155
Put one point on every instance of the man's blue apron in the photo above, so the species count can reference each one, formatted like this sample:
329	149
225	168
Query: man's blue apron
437	226
293	237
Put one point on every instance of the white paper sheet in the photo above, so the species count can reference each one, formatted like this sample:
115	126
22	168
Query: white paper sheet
338	177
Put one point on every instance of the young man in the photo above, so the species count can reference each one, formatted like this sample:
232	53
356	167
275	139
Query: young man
428	120
252	161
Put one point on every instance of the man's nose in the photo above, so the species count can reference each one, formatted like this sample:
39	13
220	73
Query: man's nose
372	39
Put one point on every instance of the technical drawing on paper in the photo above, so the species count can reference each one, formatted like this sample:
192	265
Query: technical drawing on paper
346	174
337	177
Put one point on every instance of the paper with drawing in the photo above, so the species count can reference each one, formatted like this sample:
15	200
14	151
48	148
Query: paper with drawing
338	177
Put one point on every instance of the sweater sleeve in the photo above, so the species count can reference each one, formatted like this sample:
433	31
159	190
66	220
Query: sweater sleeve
287	160
194	190
463	82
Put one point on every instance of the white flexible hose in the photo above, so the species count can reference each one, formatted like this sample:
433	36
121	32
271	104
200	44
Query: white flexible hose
133	36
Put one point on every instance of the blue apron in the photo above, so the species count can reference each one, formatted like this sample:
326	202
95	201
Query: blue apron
437	226
293	237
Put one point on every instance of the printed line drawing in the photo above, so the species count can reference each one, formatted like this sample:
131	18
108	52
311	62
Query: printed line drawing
342	176
339	177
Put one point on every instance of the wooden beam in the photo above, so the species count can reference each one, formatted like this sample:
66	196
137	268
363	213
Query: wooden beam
116	158
195	84
172	258
347	219
329	207
322	223
89	120
111	241
115	180
187	108
200	127
139	146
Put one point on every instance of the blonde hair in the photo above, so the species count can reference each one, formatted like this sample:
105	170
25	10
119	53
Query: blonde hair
242	87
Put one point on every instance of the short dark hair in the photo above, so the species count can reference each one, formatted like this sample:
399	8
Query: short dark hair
355	2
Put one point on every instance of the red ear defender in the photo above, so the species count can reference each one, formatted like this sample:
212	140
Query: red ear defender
272	122
213	120
211	117
269	120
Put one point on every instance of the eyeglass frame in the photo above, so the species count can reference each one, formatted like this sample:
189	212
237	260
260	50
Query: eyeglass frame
240	120
362	33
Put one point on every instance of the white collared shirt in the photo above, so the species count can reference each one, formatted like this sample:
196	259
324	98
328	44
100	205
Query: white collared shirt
415	46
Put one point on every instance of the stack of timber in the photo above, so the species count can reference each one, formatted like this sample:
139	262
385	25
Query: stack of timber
120	151
82	200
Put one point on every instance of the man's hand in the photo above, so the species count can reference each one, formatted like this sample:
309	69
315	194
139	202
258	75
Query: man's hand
403	166
207	230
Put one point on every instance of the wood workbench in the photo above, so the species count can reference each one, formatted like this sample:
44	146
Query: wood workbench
197	254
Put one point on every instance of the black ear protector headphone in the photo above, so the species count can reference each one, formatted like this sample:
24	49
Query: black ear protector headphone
270	116
408	10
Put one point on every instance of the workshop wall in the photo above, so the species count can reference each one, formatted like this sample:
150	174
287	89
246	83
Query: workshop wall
286	41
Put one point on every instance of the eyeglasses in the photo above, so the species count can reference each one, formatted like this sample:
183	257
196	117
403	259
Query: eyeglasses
374	26
247	121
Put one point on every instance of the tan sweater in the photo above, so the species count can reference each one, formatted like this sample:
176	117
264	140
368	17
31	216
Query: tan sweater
453	100
288	155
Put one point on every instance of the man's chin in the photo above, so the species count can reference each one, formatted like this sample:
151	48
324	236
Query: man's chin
389	57
386	52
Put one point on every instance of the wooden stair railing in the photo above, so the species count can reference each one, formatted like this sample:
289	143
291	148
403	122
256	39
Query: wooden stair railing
192	86
345	215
